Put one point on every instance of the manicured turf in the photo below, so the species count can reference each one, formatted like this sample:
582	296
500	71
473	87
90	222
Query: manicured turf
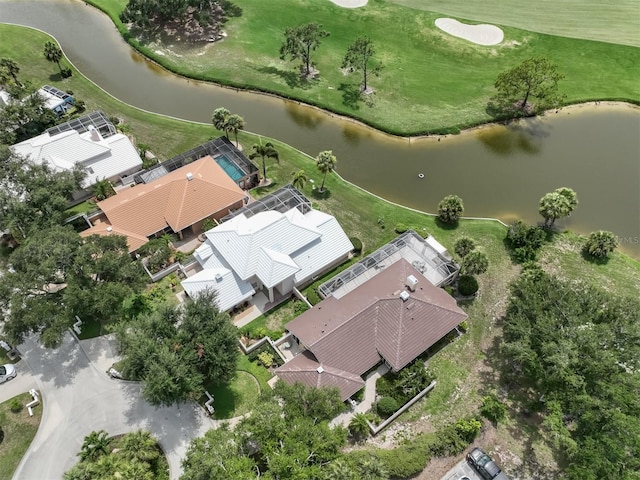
431	81
19	430
612	21
237	398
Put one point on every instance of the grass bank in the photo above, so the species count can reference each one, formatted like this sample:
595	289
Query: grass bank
431	83
18	430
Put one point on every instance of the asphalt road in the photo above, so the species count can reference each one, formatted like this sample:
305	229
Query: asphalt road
78	397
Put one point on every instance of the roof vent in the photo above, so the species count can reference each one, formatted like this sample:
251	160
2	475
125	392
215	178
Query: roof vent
319	369
218	277
404	296
109	229
94	133
189	176
412	281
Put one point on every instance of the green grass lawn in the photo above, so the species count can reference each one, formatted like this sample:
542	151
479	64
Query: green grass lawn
84	207
431	81
235	399
18	429
258	371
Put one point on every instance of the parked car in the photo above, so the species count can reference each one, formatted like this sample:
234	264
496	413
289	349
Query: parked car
7	372
486	467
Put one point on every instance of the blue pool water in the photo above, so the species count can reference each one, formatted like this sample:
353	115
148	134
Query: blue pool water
230	168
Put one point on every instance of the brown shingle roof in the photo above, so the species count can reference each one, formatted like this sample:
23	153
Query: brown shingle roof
304	369
173	200
371	321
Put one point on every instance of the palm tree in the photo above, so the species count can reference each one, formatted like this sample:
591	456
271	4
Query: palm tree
95	445
234	124
326	163
359	426
103	189
219	119
140	446
265	151
53	53
299	179
11	68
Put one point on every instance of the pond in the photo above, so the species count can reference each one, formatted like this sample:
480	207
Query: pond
498	171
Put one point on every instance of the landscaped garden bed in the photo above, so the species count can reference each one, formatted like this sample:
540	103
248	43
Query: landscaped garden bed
17	430
395	390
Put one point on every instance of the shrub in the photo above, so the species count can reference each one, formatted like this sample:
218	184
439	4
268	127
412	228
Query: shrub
449	289
299	307
525	240
266	359
464	325
524	254
447	442
475	263
359	395
404	461
66	72
208	224
463	246
387	406
15	405
467	285
401	228
357	245
492	408
468	429
313	297
600	244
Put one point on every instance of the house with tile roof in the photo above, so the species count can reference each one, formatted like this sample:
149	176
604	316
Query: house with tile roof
180	200
391	315
271	251
108	158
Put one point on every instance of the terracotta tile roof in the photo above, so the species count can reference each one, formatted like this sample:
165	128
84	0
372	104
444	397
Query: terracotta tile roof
373	321
134	241
304	369
173	200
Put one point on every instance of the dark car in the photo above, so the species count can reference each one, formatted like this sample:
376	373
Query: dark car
486	467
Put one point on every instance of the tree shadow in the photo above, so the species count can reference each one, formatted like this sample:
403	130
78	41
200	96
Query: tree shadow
321	195
351	95
593	260
55	77
446	226
292	78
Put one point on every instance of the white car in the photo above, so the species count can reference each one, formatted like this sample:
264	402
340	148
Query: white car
7	372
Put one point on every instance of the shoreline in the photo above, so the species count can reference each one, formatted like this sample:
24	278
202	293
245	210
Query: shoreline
133	43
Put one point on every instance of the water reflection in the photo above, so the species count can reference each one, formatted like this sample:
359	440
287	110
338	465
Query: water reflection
524	136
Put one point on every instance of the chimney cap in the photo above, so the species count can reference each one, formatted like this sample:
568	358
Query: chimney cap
109	228
319	369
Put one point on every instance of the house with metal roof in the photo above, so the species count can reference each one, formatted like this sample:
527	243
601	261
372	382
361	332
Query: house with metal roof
180	200
271	251
392	314
101	157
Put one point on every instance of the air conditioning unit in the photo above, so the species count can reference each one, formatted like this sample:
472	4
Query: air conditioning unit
189	176
412	281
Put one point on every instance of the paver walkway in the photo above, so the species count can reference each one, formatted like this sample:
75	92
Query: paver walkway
79	397
368	400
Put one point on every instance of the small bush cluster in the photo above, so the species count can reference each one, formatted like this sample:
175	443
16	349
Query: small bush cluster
387	406
300	307
15	405
493	409
467	285
313	296
258	355
525	240
401	228
66	72
402	387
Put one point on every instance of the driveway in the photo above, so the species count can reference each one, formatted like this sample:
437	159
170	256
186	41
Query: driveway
79	397
24	382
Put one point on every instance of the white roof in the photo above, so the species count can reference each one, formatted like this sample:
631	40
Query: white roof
437	246
229	288
317	255
271	246
101	157
51	101
241	241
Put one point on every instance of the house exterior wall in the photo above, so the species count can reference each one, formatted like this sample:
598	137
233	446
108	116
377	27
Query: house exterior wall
197	227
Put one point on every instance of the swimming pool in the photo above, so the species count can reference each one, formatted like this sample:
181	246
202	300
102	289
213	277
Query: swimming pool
230	168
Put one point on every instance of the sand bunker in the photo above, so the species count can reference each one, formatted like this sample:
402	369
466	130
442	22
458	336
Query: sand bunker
350	3
480	34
